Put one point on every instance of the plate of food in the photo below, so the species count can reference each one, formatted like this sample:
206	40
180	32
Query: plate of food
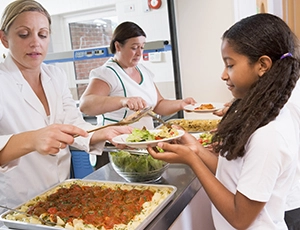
206	107
142	138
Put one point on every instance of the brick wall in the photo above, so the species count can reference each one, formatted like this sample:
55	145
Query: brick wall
88	36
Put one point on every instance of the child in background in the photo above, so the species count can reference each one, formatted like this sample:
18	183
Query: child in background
258	138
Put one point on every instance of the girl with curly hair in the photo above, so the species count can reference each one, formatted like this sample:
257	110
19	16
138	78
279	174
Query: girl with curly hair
258	139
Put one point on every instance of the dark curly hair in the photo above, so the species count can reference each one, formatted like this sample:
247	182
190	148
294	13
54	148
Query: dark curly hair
253	37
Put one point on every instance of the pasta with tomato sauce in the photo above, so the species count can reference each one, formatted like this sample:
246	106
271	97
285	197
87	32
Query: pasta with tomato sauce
80	205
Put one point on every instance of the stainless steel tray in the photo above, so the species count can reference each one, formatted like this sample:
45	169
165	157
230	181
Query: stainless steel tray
25	226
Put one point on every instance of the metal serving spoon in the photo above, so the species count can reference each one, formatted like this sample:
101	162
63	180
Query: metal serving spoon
126	121
46	222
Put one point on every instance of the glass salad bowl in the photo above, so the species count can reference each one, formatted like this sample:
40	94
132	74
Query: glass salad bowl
137	166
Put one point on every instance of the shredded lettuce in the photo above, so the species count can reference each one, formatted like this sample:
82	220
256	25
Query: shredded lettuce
139	135
127	162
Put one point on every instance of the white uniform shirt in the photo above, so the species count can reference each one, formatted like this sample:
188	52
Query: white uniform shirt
293	199
21	110
122	85
265	173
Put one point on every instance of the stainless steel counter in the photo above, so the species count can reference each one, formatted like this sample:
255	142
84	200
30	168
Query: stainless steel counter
178	175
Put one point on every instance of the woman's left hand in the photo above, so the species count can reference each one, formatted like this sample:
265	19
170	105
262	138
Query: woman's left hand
188	101
109	133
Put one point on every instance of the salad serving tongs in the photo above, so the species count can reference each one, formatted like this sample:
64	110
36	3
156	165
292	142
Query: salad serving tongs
157	117
132	151
46	222
126	121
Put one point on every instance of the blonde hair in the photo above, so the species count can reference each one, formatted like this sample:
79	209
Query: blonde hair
14	9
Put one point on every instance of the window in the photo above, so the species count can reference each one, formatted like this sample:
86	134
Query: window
81	30
89	34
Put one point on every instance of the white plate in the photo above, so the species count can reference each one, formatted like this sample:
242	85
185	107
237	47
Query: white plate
121	139
192	108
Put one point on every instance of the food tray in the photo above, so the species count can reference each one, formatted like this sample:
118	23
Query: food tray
157	208
194	125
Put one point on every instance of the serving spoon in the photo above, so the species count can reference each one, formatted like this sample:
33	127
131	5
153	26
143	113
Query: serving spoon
126	121
45	222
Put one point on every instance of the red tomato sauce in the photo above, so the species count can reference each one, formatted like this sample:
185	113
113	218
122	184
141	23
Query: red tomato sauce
94	205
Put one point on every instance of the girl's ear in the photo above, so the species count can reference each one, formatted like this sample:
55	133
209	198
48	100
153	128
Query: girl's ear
265	63
3	39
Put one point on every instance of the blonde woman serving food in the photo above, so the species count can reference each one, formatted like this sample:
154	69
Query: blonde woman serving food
38	116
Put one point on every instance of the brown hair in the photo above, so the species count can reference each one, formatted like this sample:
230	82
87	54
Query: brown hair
14	9
123	32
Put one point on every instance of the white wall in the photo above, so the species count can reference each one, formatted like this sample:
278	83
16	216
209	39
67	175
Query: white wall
201	24
200	27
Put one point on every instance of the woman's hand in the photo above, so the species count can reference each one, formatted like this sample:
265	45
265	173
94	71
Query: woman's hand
188	101
46	141
134	103
109	133
51	139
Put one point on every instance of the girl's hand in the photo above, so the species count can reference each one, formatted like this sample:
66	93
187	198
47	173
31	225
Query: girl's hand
186	151
223	111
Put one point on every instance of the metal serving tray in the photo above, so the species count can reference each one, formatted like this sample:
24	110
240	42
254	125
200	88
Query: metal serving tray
25	226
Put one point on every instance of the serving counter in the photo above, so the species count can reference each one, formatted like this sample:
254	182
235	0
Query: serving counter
178	175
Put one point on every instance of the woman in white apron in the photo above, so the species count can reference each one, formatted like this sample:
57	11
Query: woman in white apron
123	85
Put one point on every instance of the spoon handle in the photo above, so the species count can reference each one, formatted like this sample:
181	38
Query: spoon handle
102	127
126	121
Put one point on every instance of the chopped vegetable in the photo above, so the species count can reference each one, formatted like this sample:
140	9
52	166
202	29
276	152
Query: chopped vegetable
205	138
139	135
